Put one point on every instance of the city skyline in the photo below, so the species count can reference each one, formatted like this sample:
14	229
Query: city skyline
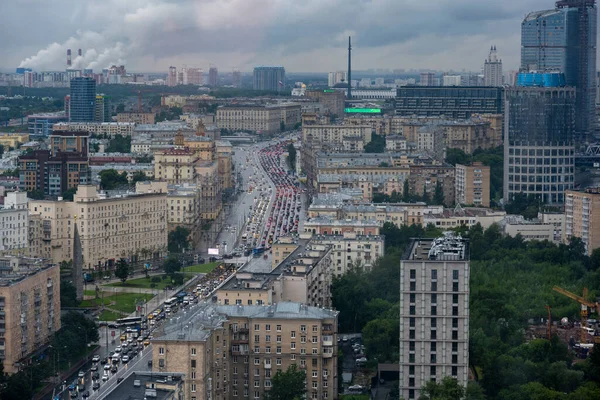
152	36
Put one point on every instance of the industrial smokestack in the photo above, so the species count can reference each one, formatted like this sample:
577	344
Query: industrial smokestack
79	52
349	69
68	57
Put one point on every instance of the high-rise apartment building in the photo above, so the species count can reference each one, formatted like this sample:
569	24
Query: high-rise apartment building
172	76
231	352
492	69
269	78
62	167
102	111
427	79
333	102
334	78
236	78
564	40
539	152
213	77
193	76
29	308
582	217
434	313
82	100
473	184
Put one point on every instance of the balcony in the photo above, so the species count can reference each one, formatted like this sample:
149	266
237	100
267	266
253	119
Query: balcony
240	340
240	352
267	366
327	340
327	352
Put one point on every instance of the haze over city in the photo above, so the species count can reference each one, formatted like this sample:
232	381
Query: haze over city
307	36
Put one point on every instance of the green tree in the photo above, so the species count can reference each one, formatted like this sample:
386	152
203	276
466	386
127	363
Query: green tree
122	270
405	192
110	179
36	194
282	126
438	196
288	385
595	259
447	389
119	144
178	240
457	156
139	176
120	108
68	194
1	149
68	294
376	145
291	159
172	265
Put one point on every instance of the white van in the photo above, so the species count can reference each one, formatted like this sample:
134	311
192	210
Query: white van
589	330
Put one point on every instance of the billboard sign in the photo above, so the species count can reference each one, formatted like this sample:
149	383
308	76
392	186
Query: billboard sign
213	252
363	110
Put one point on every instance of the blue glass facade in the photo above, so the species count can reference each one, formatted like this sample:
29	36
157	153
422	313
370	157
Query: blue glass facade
551	41
83	100
554	79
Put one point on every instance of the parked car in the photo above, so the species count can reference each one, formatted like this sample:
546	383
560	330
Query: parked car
96	358
355	387
96	386
81	374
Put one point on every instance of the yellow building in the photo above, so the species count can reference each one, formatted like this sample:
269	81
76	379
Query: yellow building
231	352
13	140
224	156
176	166
258	118
136	117
132	226
29	308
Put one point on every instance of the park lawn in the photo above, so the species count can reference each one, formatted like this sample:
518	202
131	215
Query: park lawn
126	302
108	315
145	283
201	268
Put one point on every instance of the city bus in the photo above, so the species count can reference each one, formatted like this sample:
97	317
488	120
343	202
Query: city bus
171	304
130	321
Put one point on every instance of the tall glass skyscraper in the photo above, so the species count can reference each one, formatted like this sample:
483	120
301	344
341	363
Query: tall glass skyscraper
539	137
83	100
564	40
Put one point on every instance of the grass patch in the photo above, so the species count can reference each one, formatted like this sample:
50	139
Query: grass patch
201	268
354	397
107	315
124	302
144	283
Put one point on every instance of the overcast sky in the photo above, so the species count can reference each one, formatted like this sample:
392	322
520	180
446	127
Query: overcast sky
301	35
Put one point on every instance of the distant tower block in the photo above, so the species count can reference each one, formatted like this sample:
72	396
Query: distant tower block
68	57
79	53
349	68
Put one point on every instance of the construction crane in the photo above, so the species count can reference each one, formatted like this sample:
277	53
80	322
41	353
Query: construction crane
549	329
586	306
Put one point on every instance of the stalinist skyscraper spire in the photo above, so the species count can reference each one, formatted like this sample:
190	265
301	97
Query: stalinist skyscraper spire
492	69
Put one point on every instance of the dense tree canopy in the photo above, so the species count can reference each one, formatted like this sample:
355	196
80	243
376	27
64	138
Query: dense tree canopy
110	179
122	270
287	385
119	144
178	240
376	145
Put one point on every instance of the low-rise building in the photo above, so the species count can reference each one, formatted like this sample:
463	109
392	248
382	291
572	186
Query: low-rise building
332	135
97	128
29	308
13	140
233	351
146	144
41	124
555	218
129	169
165	130
513	225
136	117
582	217
396	143
472	184
450	218
258	118
333	101
14	224
125	225
332	226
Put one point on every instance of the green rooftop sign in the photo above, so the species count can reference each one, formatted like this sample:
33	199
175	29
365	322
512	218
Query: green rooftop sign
363	110
328	91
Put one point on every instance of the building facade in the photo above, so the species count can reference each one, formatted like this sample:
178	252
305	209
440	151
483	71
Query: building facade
136	117
230	352
539	152
582	217
257	118
473	184
14	223
131	226
569	46
492	69
333	101
434	313
29	308
451	102
83	100
41	124
97	128
269	78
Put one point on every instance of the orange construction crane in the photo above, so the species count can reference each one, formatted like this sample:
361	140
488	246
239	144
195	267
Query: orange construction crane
585	305
549	333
